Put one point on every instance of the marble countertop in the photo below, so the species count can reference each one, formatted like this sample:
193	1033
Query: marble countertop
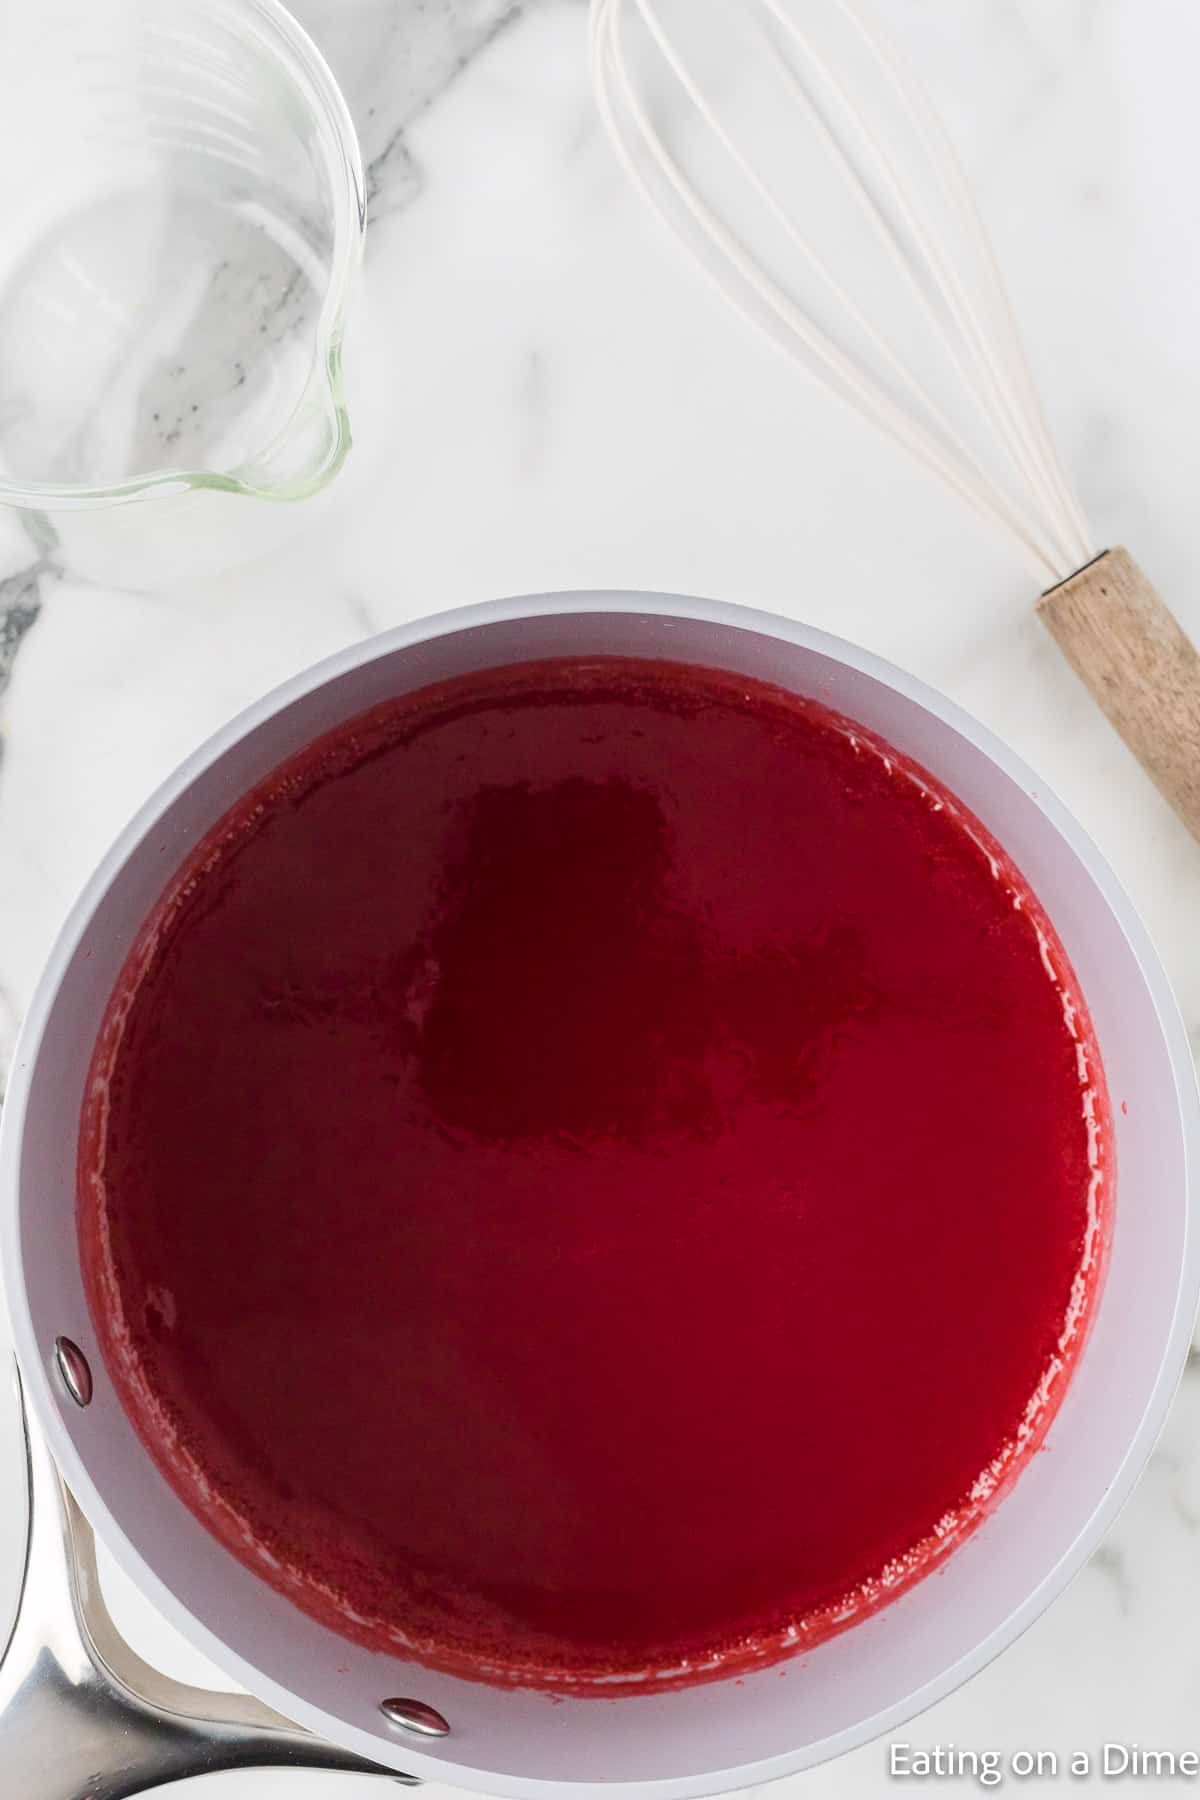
552	401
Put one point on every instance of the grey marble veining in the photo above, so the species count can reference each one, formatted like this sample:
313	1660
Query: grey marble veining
393	60
31	566
20	604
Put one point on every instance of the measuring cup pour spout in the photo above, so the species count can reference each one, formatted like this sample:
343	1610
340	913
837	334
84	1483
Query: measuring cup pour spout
306	455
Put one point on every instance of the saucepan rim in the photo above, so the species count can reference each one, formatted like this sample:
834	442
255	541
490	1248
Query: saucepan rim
442	1765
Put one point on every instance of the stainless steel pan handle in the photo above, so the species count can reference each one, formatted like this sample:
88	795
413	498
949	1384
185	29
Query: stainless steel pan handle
82	1717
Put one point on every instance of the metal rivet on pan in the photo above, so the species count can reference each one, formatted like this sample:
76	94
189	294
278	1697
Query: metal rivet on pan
414	1715
74	1370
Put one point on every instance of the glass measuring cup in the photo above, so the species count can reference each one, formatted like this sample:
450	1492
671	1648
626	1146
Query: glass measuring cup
181	219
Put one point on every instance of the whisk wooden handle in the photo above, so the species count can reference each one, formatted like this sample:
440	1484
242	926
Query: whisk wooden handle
1140	667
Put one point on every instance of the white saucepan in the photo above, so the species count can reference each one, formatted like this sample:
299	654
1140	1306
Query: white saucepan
79	1718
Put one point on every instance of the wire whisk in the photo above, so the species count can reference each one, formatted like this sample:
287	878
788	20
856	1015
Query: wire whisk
697	95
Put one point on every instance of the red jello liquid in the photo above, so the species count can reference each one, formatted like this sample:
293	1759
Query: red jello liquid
593	1170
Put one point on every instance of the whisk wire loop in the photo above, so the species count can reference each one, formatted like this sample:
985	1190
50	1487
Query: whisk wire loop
979	336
